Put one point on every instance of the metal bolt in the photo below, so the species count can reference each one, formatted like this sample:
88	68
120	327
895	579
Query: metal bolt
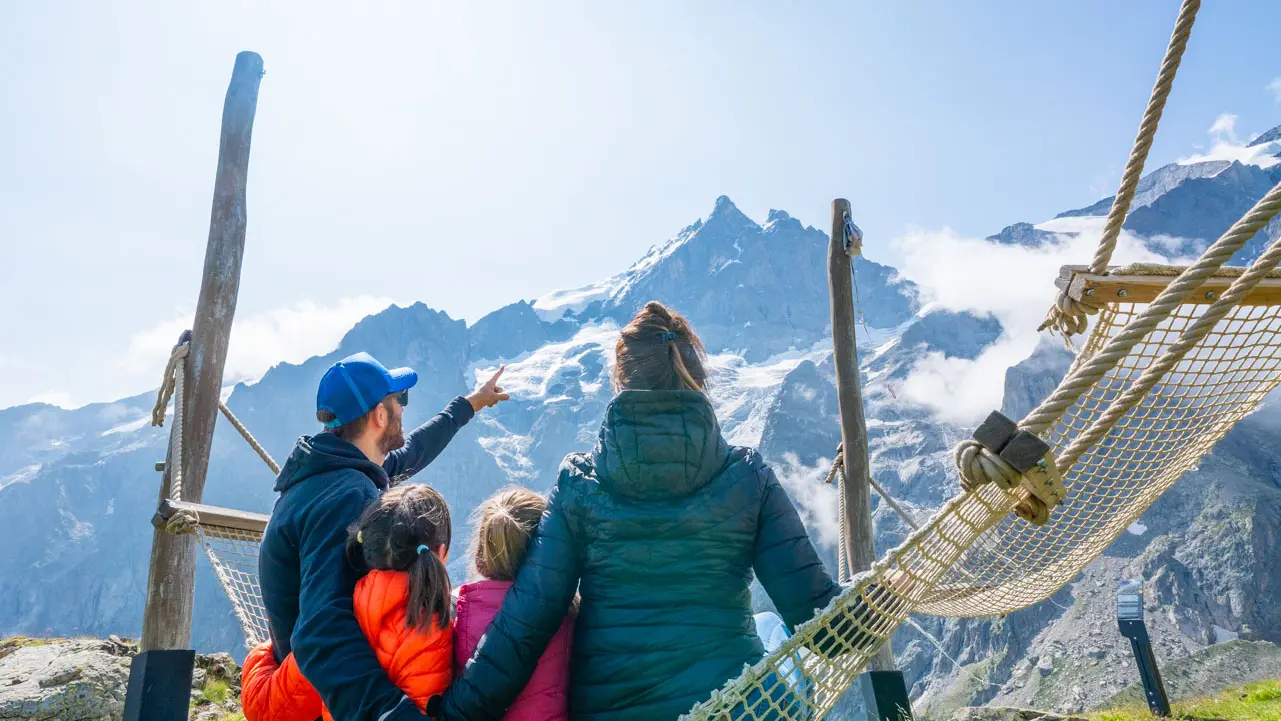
1089	291
1123	292
1211	295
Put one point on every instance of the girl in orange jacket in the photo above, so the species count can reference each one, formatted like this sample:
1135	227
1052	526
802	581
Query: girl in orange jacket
403	605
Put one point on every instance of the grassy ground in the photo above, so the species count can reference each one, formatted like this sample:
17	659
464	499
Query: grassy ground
1255	702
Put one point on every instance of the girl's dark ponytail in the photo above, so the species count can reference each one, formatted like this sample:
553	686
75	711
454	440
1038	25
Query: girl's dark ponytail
429	591
403	531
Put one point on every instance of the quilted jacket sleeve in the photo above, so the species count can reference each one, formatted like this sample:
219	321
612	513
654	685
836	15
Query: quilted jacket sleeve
784	559
276	692
533	610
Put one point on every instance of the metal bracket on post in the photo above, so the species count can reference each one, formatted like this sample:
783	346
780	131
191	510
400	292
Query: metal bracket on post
1129	616
885	695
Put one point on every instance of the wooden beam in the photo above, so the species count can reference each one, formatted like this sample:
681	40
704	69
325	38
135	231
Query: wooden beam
171	580
1104	289
214	516
860	546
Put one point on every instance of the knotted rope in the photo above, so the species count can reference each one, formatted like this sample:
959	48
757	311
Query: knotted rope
185	520
1068	316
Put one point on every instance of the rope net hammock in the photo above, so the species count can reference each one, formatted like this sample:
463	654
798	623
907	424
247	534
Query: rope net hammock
1176	356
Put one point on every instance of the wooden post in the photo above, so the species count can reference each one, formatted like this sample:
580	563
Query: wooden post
860	547
171	580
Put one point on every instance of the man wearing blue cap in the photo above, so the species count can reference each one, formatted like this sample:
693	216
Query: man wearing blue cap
307	581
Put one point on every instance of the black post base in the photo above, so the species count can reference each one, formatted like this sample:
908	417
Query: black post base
885	694
160	686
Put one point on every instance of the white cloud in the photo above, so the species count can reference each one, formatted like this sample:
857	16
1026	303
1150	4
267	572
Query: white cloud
1274	87
816	502
1224	128
259	341
1013	283
1225	145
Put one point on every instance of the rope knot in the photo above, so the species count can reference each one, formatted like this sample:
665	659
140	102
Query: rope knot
1068	316
183	520
978	466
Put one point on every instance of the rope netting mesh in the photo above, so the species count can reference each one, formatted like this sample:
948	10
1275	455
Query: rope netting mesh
233	553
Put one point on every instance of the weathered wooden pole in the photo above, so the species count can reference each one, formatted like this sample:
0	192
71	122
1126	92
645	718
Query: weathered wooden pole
171	579
859	545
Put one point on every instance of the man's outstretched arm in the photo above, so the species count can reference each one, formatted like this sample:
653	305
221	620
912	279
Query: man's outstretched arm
425	442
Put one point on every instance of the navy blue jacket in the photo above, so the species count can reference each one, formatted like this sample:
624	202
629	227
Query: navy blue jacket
659	530
307	582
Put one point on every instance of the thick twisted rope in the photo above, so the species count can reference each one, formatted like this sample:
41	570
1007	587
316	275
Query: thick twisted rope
977	466
249	438
1068	316
183	520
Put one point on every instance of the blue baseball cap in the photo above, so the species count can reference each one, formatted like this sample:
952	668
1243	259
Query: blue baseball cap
354	385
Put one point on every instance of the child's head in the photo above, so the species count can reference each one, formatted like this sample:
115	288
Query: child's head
504	526
408	529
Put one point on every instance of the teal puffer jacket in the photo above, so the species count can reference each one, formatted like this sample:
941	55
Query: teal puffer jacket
659	529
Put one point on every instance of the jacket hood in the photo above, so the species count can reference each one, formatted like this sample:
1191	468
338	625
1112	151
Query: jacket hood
657	445
325	453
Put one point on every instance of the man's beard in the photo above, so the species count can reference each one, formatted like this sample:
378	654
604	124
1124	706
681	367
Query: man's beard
393	437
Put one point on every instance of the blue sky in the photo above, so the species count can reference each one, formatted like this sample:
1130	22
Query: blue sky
472	154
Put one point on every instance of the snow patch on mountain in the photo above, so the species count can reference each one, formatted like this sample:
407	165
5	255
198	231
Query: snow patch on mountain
1262	151
526	378
559	303
1088	225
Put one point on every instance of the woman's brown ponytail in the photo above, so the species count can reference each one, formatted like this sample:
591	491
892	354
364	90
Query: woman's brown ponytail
659	350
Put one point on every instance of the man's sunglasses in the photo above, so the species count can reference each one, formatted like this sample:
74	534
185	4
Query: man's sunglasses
402	398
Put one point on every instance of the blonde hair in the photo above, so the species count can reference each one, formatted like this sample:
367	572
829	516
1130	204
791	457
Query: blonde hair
504	525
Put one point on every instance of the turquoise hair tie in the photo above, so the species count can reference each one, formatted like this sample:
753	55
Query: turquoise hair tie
422	549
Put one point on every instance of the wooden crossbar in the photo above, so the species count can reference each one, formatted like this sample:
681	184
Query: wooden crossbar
1082	285
214	516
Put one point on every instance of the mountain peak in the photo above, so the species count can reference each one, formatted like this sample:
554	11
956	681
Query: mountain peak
1268	137
725	210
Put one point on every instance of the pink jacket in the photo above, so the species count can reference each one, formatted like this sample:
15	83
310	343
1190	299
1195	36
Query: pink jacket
546	696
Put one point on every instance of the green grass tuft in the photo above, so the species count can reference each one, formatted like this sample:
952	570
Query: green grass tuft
215	691
1255	702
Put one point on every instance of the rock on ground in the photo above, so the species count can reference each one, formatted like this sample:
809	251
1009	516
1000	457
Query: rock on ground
56	680
86	680
1008	713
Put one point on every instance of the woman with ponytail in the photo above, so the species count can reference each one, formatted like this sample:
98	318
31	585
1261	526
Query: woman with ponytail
403	605
659	529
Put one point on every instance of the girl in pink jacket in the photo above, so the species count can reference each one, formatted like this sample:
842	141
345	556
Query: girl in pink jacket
504	526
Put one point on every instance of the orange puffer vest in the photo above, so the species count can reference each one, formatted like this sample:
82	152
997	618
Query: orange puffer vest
419	661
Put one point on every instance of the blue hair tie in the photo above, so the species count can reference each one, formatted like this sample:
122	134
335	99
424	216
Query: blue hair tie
422	548
668	336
